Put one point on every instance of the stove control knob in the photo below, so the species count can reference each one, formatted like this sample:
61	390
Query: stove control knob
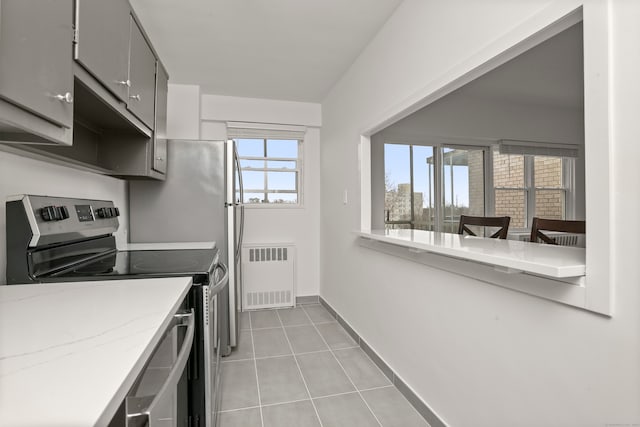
102	212
117	211
47	213
63	212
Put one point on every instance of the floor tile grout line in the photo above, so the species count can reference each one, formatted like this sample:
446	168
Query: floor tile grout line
238	409
255	366
300	370
391	381
346	374
359	345
333	351
286	403
304	400
370	359
285	355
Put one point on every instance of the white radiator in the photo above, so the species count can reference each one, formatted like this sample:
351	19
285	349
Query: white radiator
562	239
268	275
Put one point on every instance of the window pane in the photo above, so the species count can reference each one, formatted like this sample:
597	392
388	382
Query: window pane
281	180
424	211
282	198
261	185
463	185
282	148
253	197
508	170
512	203
397	202
550	204
277	164
255	164
250	147
548	171
253	180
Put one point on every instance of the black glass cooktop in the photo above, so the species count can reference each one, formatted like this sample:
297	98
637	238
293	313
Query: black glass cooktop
198	263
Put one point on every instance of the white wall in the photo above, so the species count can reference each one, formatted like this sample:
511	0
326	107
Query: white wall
183	111
300	226
463	119
458	116
478	354
21	175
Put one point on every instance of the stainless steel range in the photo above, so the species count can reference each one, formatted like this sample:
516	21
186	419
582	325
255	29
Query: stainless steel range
53	239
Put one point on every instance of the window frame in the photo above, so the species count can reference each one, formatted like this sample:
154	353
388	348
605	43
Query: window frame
595	290
298	170
438	184
529	188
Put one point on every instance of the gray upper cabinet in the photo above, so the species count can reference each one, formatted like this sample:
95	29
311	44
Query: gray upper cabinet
36	60
102	47
160	132
142	76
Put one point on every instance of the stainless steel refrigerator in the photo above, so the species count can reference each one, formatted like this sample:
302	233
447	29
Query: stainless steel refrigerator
200	201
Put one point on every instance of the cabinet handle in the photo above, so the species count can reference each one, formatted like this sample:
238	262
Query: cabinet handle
126	83
160	159
67	97
136	97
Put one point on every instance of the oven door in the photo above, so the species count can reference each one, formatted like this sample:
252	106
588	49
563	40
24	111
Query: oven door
215	324
156	400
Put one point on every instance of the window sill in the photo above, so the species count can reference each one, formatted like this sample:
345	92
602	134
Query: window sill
555	273
273	206
510	256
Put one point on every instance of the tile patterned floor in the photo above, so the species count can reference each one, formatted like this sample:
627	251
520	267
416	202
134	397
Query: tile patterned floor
299	368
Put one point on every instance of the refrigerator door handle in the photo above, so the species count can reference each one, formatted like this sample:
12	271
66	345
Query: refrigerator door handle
240	202
241	234
236	158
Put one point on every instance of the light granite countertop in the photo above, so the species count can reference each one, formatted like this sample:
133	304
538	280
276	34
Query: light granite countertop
546	260
69	352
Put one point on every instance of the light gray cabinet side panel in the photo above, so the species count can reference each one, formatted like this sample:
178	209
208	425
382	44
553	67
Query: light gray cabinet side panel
160	133
142	75
103	42
36	39
189	205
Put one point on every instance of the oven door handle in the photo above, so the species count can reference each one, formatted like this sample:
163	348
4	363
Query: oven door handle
139	408
220	284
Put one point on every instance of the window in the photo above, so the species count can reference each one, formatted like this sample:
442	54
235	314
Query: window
526	186
270	170
429	187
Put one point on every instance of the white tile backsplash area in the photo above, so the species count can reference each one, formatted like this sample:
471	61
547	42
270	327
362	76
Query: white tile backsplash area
22	175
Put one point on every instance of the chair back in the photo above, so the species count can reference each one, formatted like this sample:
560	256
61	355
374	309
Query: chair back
485	221
574	227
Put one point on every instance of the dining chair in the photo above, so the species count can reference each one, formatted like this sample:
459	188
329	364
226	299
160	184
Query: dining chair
485	221
572	227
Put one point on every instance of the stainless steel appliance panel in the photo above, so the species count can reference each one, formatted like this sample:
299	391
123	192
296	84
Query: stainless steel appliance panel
197	202
190	205
156	398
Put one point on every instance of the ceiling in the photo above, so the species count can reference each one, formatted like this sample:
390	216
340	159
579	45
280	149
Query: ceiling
549	74
278	49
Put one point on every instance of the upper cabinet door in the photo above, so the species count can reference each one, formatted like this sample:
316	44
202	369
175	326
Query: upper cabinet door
160	132
142	75
36	43
103	42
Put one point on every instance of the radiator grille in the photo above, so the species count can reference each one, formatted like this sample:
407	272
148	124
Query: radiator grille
267	254
271	299
268	276
560	238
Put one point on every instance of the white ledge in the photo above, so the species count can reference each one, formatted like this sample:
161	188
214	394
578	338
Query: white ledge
509	256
